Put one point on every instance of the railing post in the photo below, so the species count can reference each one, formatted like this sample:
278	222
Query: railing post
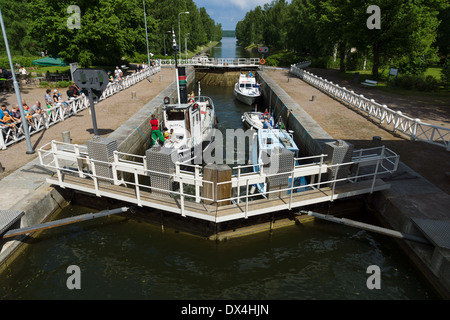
136	183
182	197
197	184
246	199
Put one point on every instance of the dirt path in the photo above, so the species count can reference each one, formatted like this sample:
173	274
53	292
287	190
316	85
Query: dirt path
432	162
110	114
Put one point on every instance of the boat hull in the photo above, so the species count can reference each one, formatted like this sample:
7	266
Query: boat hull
249	100
254	120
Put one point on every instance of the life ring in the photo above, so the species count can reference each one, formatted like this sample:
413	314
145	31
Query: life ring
262	61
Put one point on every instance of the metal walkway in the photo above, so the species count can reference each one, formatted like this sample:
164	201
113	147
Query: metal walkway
74	169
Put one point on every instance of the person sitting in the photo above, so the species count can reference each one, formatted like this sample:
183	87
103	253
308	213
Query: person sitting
55	97
15	113
48	98
7	119
191	97
110	77
71	93
118	74
266	124
36	108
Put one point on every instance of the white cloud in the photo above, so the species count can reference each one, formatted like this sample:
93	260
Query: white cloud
229	12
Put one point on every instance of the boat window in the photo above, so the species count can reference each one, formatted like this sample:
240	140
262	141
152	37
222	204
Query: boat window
173	115
248	85
241	85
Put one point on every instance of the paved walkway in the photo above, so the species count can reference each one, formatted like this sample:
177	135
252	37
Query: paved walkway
111	113
432	162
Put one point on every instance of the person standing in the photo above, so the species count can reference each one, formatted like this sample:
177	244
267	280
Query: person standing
156	133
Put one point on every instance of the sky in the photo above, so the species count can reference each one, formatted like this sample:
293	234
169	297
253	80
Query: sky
229	12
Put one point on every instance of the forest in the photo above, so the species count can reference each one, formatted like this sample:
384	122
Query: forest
413	35
109	30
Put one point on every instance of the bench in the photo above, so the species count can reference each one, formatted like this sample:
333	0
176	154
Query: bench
370	83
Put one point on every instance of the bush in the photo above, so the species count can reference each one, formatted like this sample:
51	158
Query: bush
284	59
446	74
411	82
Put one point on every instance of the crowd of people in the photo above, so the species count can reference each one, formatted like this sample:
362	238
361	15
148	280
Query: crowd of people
11	119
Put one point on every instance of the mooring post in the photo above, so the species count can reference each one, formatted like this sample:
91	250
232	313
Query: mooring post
217	173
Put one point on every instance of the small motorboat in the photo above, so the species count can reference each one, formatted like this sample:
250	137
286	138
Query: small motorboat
247	89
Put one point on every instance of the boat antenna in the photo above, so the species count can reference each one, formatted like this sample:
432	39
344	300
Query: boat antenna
199	90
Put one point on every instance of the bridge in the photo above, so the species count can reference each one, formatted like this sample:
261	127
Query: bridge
201	197
205	62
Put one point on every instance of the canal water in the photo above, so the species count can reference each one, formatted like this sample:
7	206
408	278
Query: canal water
121	258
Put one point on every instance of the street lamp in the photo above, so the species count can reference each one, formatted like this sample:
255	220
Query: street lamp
185	45
179	32
148	53
164	36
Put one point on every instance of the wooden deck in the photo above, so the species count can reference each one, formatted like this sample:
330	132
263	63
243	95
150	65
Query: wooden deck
216	213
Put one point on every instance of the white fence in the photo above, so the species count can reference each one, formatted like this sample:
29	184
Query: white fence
61	111
205	61
394	120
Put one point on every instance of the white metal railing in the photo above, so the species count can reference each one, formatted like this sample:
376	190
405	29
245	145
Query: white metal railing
394	120
205	61
60	111
366	164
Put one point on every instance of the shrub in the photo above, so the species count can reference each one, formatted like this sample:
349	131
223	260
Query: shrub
411	82
446	74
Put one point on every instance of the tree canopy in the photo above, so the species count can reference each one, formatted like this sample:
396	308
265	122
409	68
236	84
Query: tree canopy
412	33
109	29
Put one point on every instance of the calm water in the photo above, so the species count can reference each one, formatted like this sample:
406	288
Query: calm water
122	258
228	48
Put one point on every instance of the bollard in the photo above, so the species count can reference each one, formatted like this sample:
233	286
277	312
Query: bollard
133	94
66	136
160	78
376	140
2	169
313	98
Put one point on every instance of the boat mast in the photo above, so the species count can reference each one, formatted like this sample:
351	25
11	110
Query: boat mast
174	45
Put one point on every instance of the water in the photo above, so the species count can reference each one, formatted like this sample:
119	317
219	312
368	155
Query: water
227	48
123	258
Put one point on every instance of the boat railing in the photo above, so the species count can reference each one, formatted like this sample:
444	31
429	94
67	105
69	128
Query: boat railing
314	171
129	170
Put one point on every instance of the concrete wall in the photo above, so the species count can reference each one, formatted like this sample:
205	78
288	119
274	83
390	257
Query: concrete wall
410	195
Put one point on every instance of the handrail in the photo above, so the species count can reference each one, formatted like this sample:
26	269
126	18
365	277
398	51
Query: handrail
61	111
414	128
67	158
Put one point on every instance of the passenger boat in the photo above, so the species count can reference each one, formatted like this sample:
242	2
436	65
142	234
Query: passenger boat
246	89
190	126
265	143
255	120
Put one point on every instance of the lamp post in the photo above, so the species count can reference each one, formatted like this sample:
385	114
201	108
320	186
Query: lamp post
17	90
185	45
179	32
148	53
164	35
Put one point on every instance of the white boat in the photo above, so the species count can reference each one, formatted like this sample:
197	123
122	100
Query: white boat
247	90
255	120
265	143
193	126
